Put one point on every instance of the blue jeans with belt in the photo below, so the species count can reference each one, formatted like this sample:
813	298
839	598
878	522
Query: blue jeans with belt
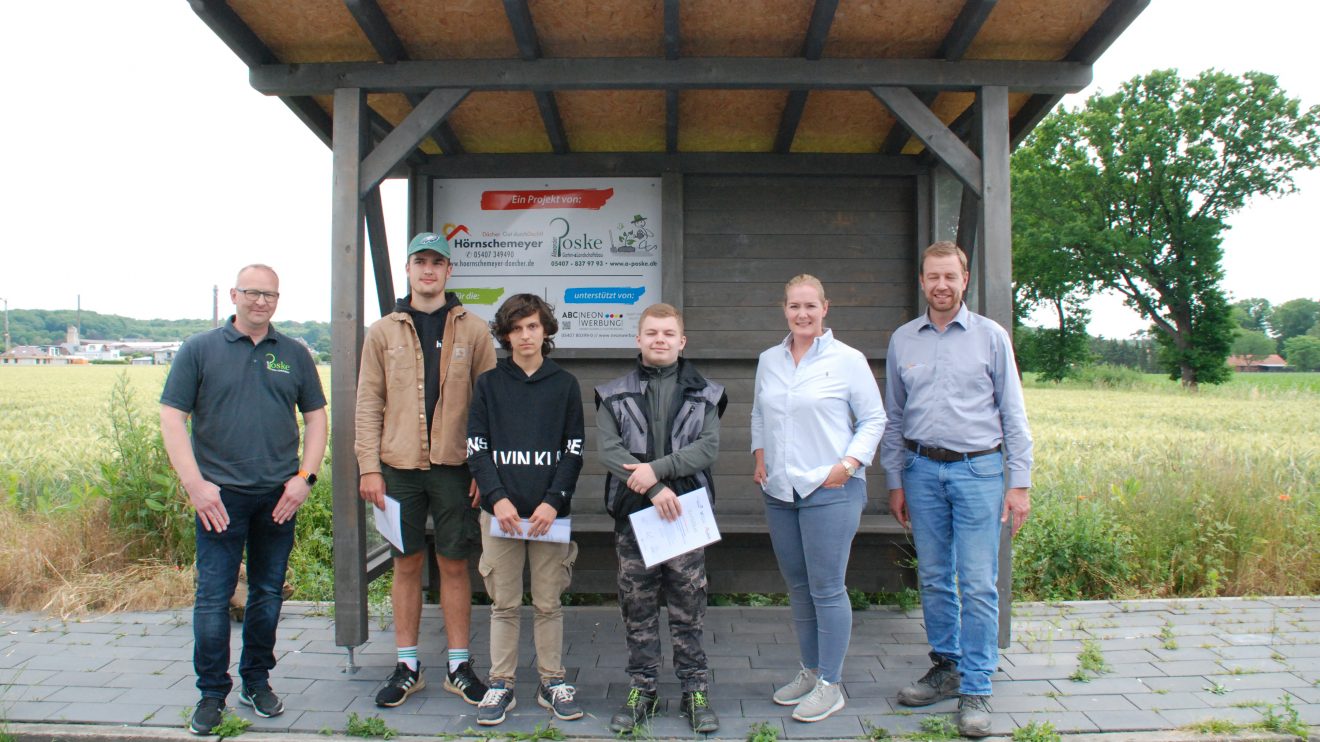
955	509
812	538
268	545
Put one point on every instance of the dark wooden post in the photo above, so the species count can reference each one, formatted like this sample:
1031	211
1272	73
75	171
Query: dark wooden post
997	277
346	289
671	238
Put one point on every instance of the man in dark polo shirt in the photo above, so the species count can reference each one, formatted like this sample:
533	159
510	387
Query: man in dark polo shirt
240	384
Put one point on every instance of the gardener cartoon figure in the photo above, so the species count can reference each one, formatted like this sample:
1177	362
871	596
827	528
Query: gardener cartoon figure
633	237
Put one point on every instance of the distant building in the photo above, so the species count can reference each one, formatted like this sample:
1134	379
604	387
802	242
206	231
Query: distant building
34	355
1252	364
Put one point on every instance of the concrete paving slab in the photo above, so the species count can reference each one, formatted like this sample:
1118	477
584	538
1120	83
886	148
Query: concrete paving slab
1186	717
1122	720
1160	701
1258	680
108	713
1065	722
27	711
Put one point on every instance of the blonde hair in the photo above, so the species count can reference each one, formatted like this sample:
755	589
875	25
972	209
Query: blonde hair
661	311
944	249
804	278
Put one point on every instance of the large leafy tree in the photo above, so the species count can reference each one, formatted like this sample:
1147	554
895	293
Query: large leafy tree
1293	318
1136	187
1253	314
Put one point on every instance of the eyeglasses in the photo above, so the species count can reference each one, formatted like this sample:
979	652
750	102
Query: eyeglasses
254	294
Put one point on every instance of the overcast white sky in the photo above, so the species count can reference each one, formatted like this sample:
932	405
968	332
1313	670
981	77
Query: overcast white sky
138	168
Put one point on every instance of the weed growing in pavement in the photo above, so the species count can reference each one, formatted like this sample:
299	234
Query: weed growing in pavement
539	732
231	725
872	732
1214	726
1285	720
371	727
1090	662
936	727
762	731
1036	731
1166	636
1217	688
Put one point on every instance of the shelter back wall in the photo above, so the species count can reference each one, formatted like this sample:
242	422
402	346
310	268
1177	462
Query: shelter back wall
743	238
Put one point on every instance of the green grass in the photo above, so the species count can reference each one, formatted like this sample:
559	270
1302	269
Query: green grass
370	727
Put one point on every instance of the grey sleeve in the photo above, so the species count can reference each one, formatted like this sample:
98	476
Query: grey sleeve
613	454
699	455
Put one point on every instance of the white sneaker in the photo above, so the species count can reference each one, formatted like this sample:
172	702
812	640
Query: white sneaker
793	693
823	700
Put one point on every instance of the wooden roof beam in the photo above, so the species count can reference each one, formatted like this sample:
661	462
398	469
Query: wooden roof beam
529	48
240	39
689	73
1109	26
672	41
955	45
818	30
383	38
932	132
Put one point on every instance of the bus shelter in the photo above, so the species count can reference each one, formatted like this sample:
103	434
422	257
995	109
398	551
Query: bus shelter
766	138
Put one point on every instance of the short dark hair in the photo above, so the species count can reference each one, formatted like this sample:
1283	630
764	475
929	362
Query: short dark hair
518	307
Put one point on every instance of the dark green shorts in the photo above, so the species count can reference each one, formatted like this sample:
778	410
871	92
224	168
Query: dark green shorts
442	493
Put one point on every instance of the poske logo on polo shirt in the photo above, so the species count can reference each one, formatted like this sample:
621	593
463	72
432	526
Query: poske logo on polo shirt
274	364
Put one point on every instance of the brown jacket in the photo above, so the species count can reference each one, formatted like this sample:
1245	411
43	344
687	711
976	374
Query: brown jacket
391	421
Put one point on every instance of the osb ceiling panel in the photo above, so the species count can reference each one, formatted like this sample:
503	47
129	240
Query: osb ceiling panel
613	120
306	31
890	29
500	123
729	120
452	29
1035	30
599	28
749	28
842	121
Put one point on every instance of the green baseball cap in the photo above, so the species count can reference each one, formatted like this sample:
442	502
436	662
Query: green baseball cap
428	241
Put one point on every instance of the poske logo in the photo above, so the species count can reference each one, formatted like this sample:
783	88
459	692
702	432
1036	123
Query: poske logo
276	365
566	245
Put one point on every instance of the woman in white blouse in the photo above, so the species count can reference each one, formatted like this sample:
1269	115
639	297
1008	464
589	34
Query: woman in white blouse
816	421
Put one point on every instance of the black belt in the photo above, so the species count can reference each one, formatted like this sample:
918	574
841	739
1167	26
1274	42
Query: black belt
944	454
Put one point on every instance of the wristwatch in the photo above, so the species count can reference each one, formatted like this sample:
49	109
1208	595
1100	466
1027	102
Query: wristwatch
848	468
310	477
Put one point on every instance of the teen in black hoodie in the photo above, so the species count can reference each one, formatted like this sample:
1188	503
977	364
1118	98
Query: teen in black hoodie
525	431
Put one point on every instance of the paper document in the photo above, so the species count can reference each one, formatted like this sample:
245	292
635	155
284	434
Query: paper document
661	540
388	522
560	531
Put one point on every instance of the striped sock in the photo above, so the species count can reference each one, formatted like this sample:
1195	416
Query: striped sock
458	657
408	656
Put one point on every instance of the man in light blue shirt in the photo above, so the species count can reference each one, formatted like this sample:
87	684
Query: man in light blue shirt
956	434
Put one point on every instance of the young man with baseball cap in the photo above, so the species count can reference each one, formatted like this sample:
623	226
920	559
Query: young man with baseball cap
419	364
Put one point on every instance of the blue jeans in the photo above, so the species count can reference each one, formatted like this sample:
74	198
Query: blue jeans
218	555
955	510
812	537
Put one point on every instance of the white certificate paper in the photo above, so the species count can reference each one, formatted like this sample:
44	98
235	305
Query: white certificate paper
661	540
561	530
388	522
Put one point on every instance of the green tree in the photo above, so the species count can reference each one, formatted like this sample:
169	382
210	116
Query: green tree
1136	187
1302	352
1253	314
1252	345
1293	318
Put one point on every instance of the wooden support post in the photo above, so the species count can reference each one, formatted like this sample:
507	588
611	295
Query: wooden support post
346	274
380	251
421	202
997	276
671	239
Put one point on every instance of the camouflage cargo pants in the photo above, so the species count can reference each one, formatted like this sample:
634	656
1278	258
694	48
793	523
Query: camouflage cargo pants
683	582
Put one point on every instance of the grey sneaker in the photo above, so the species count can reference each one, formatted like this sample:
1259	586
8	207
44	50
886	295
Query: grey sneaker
793	693
940	682
823	700
495	704
973	715
558	697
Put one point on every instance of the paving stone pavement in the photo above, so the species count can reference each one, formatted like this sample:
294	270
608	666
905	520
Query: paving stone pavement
1170	663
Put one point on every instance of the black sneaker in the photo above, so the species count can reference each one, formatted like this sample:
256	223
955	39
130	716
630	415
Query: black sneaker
941	681
403	683
638	709
466	684
559	698
696	707
263	701
210	710
495	704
